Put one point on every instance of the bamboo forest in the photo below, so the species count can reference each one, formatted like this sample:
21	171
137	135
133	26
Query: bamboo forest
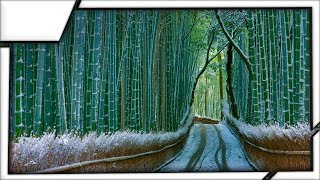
164	90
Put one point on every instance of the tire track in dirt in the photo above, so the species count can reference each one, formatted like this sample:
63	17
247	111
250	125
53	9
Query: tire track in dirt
223	166
197	155
216	158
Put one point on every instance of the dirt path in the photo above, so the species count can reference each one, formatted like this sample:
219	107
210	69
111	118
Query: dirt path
210	148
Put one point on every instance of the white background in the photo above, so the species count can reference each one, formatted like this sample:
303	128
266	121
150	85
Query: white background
23	20
35	17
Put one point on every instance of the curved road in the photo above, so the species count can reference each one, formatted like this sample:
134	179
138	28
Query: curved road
209	148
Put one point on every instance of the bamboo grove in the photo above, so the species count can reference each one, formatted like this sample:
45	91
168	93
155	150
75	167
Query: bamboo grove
138	70
276	43
278	47
112	70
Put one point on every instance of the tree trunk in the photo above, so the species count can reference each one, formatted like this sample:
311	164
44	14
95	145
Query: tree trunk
233	103
221	87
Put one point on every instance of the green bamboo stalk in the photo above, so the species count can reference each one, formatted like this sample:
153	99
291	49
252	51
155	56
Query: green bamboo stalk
61	115
81	80
274	61
279	91
268	63
38	116
262	57
156	71
307	72
302	78
112	74
68	62
284	59
289	43
29	89
163	77
47	90
124	77
104	65
20	93
77	66
296	65
97	42
257	94
13	64
151	123
53	89
89	125
145	52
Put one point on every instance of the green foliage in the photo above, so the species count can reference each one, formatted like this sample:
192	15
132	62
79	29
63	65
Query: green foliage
207	99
